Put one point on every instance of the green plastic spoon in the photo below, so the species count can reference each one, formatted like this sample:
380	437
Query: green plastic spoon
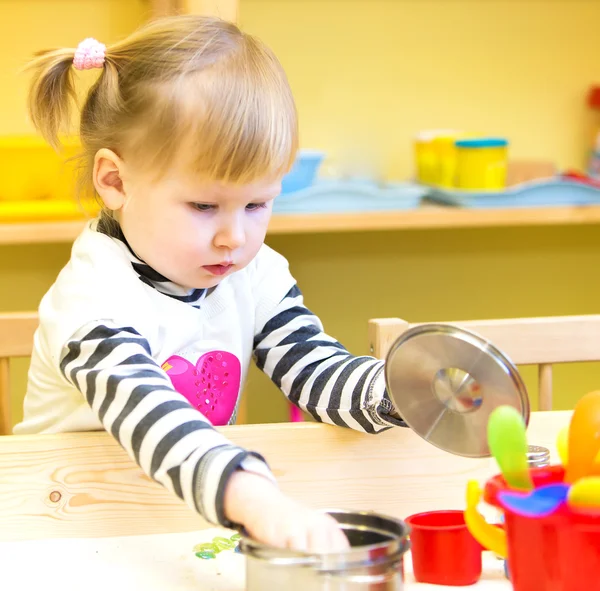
507	441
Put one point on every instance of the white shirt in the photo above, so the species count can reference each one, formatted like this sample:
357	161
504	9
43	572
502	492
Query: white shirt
111	330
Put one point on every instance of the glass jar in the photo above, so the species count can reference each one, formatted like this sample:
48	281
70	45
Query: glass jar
538	457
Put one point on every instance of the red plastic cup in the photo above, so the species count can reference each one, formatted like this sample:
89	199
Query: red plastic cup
443	550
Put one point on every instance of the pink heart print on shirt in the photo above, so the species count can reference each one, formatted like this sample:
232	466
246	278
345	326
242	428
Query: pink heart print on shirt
212	386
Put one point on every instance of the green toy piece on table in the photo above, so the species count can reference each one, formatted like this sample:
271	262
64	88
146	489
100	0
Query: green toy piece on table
209	550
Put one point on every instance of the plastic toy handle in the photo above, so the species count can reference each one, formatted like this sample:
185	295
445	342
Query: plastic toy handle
489	536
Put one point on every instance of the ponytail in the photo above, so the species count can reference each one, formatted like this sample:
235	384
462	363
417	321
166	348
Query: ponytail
52	93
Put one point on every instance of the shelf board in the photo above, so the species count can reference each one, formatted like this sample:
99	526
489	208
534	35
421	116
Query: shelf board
426	217
432	216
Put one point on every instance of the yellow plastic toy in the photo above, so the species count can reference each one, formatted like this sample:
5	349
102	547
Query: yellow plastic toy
585	492
489	536
584	438
562	446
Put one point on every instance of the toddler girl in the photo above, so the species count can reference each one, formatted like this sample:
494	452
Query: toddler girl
149	329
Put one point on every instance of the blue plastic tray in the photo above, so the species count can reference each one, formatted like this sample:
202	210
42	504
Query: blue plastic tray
331	196
533	194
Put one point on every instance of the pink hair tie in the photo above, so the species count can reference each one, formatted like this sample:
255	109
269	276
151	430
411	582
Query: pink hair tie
89	54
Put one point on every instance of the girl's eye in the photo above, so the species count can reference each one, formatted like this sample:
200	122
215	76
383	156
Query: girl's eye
203	206
255	206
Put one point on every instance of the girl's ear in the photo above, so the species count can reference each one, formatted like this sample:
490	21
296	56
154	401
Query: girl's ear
108	179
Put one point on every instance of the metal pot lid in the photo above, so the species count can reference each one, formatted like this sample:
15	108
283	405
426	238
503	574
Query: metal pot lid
445	381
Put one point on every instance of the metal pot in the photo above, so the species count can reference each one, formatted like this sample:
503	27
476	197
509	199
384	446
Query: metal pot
375	561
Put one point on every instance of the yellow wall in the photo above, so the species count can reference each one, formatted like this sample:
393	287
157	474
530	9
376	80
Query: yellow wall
368	74
27	26
366	79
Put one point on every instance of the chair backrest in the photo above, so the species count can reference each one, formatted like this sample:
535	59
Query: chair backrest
526	341
16	340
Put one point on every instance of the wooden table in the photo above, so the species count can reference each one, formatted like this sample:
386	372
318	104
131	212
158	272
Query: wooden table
76	513
160	562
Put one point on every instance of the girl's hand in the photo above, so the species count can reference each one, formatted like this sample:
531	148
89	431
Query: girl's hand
272	518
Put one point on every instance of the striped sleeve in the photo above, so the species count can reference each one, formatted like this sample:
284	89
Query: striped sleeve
316	372
171	441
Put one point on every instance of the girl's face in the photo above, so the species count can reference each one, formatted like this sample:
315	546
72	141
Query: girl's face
193	233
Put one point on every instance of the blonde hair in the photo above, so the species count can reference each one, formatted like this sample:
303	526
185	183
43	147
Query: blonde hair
188	90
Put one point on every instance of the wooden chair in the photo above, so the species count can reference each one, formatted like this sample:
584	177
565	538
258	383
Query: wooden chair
526	341
16	340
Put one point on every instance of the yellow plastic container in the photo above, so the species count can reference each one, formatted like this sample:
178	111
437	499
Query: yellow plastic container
446	149
30	170
50	210
426	158
435	156
481	163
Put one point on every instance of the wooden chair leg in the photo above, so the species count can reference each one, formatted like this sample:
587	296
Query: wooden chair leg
5	417
545	386
382	334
